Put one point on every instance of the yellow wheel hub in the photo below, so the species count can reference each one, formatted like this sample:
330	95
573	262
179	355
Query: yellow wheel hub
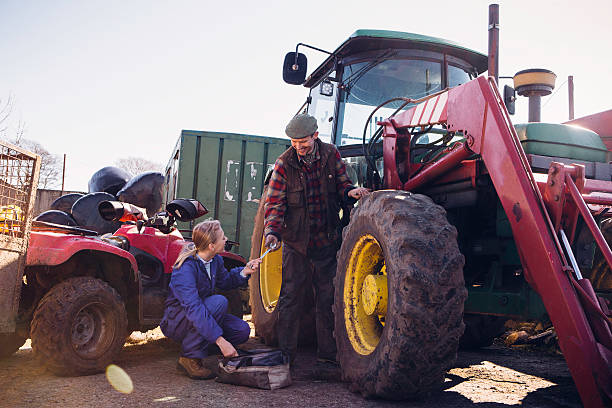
365	295
270	277
374	295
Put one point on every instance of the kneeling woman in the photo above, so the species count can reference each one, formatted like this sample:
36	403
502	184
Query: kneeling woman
194	315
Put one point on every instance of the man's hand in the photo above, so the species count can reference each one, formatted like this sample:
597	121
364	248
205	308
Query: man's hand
226	347
272	242
252	266
358	193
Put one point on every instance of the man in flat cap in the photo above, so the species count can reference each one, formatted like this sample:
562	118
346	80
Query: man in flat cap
305	193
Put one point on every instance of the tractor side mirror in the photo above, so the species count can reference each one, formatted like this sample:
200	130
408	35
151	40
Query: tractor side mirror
294	68
186	209
509	98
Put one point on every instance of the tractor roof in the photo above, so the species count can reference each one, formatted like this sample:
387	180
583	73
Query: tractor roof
369	40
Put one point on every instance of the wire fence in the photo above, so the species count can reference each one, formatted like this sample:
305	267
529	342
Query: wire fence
18	179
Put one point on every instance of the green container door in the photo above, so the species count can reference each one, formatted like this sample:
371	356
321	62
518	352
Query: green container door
225	172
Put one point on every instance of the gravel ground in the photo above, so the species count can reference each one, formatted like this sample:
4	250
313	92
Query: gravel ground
492	377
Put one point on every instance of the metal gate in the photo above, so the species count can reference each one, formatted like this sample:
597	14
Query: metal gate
19	171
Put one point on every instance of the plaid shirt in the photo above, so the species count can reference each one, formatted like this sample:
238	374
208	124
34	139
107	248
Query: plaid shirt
276	202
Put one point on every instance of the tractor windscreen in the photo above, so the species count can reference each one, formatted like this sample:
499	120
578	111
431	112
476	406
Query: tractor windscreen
370	83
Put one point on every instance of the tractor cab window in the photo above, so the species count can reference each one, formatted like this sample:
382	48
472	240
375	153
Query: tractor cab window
458	76
368	84
322	107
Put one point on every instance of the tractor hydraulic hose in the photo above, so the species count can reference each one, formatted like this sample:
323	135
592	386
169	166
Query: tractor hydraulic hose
367	152
365	128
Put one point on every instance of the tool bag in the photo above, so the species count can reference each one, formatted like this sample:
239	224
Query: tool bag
263	368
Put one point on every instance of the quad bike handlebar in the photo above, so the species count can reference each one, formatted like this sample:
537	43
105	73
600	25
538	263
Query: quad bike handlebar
179	209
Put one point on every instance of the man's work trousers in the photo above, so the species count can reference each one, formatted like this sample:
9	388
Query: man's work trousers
193	344
320	267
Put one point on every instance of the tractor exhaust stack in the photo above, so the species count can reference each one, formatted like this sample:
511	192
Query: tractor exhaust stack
494	41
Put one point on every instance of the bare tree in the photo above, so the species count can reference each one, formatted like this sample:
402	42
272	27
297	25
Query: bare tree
137	165
9	130
6	108
50	164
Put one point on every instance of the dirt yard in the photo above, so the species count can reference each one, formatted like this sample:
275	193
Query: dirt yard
492	377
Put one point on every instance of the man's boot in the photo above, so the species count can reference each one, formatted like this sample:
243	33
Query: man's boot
194	369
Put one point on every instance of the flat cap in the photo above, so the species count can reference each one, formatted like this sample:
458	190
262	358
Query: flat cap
301	126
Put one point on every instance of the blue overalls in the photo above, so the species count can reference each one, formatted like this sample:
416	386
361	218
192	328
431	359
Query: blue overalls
194	315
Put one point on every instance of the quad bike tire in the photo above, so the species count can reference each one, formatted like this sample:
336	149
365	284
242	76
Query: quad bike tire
10	343
404	351
264	288
79	327
480	331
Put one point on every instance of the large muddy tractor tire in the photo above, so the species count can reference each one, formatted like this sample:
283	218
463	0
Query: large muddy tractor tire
399	294
265	286
79	327
480	331
10	343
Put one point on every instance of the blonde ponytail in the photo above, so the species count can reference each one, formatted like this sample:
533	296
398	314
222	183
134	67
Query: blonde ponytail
189	250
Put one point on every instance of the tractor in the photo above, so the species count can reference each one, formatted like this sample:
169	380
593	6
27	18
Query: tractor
472	220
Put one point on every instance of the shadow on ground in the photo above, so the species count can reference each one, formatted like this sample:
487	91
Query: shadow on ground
493	377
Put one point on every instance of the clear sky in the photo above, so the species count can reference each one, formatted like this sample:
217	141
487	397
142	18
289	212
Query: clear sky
101	80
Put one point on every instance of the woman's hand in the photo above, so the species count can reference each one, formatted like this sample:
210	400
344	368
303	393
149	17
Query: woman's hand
252	266
226	347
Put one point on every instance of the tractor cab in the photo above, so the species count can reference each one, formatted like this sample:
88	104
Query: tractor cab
370	68
376	69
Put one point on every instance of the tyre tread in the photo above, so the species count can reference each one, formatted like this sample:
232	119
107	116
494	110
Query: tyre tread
425	267
52	319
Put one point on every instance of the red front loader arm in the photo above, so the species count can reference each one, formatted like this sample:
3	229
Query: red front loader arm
477	111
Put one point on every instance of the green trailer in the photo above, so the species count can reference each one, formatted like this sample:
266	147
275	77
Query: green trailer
225	172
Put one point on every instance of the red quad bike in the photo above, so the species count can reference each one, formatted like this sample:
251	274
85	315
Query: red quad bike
83	294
